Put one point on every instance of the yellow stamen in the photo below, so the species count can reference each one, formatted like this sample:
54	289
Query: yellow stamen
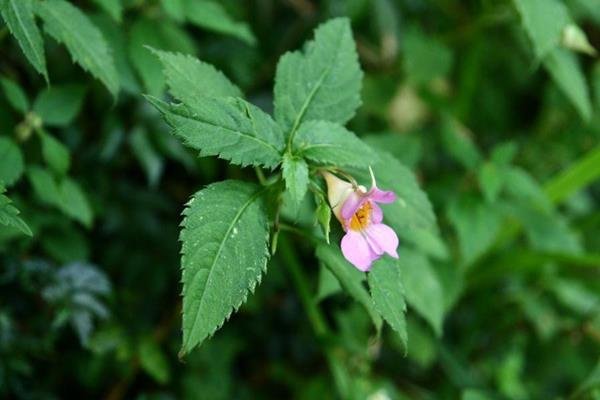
362	217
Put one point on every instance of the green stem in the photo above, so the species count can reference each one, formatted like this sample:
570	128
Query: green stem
315	316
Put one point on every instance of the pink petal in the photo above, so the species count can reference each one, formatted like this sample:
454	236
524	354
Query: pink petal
352	203
383	237
356	250
376	213
381	196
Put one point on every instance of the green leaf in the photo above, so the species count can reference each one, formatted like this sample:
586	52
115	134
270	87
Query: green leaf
504	153
423	289
20	19
545	230
68	25
387	292
113	7
330	143
189	78
212	16
246	135
406	147
15	95
458	142
295	173
425	58
583	172
11	162
66	195
59	105
591	382
490	181
117	39
74	202
328	283
145	34
44	185
350	278
568	75
321	83
323	214
174	9
150	160
225	235
55	154
153	360
477	224
9	215
544	21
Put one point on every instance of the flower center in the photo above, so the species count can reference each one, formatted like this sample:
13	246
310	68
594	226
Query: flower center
362	217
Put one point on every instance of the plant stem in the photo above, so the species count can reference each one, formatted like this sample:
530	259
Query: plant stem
315	316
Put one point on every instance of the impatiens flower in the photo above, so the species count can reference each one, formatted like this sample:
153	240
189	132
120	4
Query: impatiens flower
357	209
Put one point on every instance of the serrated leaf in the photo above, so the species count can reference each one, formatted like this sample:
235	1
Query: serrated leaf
74	202
350	278
59	105
544	21
113	7
188	78
212	16
387	292
422	287
84	41
15	95
568	75
55	154
11	162
246	135
20	19
295	173
225	236
9	215
321	83
329	143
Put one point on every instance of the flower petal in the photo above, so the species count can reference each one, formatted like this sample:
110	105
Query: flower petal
381	196
352	204
376	213
383	237
356	250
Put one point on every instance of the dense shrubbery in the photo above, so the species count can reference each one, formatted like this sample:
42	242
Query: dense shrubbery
482	116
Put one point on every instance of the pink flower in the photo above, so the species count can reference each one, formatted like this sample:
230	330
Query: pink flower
357	209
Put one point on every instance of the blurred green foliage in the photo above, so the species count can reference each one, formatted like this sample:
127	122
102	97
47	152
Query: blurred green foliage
495	106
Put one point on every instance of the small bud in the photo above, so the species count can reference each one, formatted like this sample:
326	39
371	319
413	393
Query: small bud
338	191
575	39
